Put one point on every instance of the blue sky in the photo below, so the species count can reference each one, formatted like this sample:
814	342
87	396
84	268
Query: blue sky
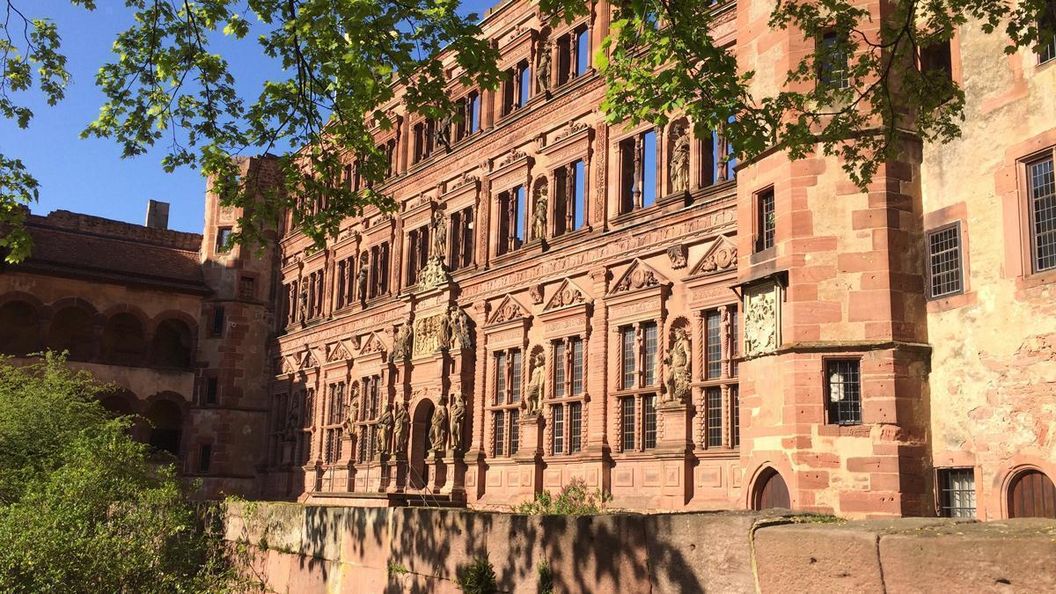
90	176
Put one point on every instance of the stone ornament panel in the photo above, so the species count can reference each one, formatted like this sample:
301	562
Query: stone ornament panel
762	319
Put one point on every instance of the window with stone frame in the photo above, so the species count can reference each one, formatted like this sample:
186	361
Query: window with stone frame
506	401
511	220
210	389
304	439
462	231
378	272
1041	212
516	87
524	86
717	160
216	326
276	437
573	54
832	60
469	122
389	149
720	407
566	406
205	458
956	492
1047	27
342	282
422	137
765	220
638	159
417	252
945	269
334	417
843	391
639	343
223	240
569	200
370	410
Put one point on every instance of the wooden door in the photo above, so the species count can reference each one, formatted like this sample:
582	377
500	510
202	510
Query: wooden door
1031	495
772	492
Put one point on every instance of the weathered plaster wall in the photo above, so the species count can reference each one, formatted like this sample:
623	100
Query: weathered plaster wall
993	372
307	549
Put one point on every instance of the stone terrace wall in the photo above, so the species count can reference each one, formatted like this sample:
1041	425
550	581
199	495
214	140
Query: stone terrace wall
307	549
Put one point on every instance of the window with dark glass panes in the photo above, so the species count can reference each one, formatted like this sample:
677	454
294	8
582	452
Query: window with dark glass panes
649	346
511	220
719	410
506	402
417	252
575	427
944	261
280	412
627	423
712	344
333	434
378	271
766	220
1041	189
638	352
628	366
567	378
1047	29
557	417
831	61
638	179
713	411
462	238
735	416
844	391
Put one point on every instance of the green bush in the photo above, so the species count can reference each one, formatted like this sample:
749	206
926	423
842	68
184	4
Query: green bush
546	577
478	577
574	499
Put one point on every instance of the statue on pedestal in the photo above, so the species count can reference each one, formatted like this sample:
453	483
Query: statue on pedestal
457	416
536	385
384	430
400	427
678	376
438	428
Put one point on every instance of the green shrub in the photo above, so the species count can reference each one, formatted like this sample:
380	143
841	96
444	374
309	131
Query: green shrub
574	499
478	577
546	577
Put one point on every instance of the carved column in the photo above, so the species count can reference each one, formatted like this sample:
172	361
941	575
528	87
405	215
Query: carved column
598	368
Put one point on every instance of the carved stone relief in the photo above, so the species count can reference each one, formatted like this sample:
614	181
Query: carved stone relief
678	255
431	334
678	372
761	331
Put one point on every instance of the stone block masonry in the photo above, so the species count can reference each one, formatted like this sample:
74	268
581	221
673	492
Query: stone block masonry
307	549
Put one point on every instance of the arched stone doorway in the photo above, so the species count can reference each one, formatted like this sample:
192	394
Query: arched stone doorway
420	446
71	330
166	426
19	328
1031	494
771	491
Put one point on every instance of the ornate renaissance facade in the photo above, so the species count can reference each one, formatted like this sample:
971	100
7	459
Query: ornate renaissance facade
560	299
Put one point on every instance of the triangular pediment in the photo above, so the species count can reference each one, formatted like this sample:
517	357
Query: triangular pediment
567	294
371	344
720	257
507	310
289	364
307	359
638	276
337	352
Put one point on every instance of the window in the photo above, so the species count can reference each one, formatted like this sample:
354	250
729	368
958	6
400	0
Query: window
500	378
716	159
573	54
557	414
507	398
570	199
511	220
559	369
713	411
370	412
1042	196
582	51
957	492
378	270
515	376
500	433
638	179
844	392
937	58
577	366
1047	47
627	363
216	329
713	344
627	424
944	261
515	431
648	422
649	343
462	238
575	427
212	391
509	91
417	252
766	220
735	416
524	88
473	113
333	431
205	458
223	240
247	288
831	60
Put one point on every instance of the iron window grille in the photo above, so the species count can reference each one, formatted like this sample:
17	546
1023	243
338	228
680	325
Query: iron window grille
844	392
945	275
957	492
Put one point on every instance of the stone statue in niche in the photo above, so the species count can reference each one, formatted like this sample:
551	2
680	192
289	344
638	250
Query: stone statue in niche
677	363
293	421
439	427
442	132
726	323
536	385
460	335
353	407
399	429
439	231
679	164
303	303
402	344
384	430
542	70
361	277
539	213
457	416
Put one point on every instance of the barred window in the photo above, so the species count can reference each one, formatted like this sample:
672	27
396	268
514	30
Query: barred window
649	355
957	492
627	365
558	431
575	427
1043	213
735	416
577	366
648	422
559	369
627	418
944	261
713	411
832	59
713	345
844	392
766	220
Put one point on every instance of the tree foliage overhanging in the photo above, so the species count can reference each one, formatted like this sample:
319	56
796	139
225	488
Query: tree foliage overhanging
170	85
82	506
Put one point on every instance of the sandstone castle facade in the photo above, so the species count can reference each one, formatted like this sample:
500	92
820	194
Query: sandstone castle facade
559	299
